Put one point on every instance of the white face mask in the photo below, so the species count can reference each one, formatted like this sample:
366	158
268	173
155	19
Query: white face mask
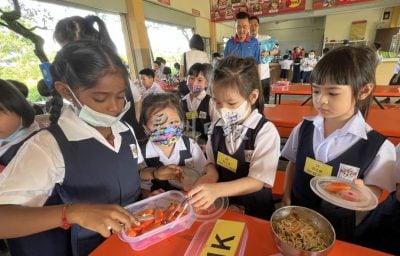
233	116
95	118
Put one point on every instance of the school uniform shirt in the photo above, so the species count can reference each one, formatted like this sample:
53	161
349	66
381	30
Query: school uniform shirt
308	64
193	104
285	64
155	88
264	67
135	91
380	172
13	146
264	159
197	162
31	176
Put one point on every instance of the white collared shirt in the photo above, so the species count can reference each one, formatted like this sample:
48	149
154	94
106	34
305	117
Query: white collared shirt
197	162
264	158
381	171
155	88
30	177
193	104
32	128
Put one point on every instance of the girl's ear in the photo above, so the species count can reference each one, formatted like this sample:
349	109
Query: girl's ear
254	96
63	90
365	91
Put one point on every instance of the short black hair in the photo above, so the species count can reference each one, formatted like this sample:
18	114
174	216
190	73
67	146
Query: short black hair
242	15
177	65
20	86
147	72
167	71
12	100
157	62
201	68
216	55
43	89
196	42
255	18
161	60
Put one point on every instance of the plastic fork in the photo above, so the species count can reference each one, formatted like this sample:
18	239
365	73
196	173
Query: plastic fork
185	204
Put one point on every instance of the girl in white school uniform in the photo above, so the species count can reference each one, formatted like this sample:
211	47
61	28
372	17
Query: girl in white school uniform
339	137
167	149
65	188
16	122
243	146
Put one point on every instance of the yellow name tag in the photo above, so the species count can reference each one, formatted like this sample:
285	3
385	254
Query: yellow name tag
224	238
227	162
317	168
191	115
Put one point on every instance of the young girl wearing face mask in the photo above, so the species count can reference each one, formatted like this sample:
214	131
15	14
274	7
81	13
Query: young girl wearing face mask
308	64
167	149
198	105
243	147
339	138
16	122
68	184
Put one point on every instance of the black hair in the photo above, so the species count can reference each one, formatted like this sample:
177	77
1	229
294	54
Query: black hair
177	65
201	68
377	46
20	86
147	72
81	64
78	28
242	15
255	18
216	55
285	57
12	100
158	101
325	50
161	60
167	70
196	42
242	75
157	62
43	89
348	65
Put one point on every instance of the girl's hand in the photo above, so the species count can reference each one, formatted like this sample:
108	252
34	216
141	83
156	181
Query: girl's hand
156	192
204	195
103	219
169	172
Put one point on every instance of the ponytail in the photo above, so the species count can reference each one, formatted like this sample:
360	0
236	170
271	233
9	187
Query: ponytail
102	34
55	107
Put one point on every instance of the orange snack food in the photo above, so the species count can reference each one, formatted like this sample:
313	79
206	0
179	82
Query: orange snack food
335	187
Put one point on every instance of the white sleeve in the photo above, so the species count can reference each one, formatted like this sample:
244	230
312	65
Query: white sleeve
209	149
135	92
30	177
214	115
289	151
265	157
199	160
382	171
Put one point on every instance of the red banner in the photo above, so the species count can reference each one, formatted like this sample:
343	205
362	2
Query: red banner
318	4
222	10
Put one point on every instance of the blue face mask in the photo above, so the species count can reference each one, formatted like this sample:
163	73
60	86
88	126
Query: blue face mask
98	119
18	133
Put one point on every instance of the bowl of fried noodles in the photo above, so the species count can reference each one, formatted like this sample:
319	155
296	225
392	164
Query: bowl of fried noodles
301	231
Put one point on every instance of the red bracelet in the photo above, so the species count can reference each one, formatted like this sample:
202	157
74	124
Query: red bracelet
65	224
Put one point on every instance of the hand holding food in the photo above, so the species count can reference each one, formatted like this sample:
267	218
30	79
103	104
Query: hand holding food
169	172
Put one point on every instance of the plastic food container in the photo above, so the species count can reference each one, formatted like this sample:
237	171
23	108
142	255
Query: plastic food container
281	85
202	235
162	201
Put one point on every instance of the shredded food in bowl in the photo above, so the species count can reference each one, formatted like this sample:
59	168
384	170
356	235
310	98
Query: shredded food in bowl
301	234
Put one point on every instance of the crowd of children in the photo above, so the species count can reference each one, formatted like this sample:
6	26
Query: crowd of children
72	179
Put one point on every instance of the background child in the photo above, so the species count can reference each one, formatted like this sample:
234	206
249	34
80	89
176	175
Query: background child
243	147
198	105
285	67
87	158
16	122
380	229
167	148
148	84
307	64
343	81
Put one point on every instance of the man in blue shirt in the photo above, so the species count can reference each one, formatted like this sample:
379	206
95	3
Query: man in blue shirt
243	45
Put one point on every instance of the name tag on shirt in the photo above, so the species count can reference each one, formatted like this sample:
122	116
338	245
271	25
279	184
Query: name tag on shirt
317	168
191	115
189	162
227	162
247	155
134	150
202	115
348	172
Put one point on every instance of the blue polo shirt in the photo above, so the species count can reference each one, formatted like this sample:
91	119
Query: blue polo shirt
248	48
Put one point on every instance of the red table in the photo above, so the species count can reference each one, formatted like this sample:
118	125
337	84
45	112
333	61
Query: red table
305	89
286	117
259	243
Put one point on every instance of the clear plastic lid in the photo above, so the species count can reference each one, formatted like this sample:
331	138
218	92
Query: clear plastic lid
190	177
216	210
344	193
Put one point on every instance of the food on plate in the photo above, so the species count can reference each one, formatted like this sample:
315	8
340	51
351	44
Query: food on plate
152	218
344	190
336	186
301	234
